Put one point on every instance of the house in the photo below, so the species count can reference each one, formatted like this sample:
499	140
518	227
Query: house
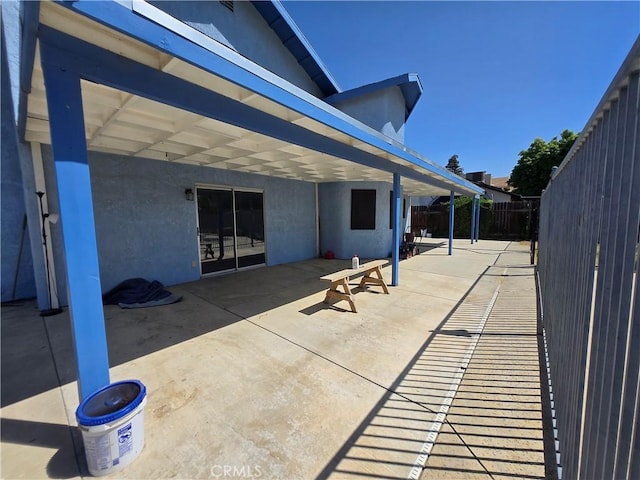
175	139
501	182
493	191
496	194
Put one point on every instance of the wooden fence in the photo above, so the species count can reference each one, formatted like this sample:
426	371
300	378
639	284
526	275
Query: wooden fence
507	220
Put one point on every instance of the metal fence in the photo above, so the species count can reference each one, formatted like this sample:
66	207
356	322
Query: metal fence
588	276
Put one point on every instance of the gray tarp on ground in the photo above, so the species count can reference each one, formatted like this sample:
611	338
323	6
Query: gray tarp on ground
139	293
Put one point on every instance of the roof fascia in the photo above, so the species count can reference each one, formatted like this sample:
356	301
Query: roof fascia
149	25
90	62
272	11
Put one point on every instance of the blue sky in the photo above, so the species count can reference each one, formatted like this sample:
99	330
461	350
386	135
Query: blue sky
495	75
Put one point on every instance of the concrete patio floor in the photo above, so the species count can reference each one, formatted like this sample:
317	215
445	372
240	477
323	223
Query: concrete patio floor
252	376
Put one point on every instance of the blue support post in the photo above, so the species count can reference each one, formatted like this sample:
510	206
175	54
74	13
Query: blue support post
397	231
66	120
473	218
452	209
477	229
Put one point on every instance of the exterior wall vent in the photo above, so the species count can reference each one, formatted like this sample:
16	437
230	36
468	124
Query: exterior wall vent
228	4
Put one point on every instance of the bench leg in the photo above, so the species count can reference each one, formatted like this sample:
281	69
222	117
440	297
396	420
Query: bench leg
334	294
375	281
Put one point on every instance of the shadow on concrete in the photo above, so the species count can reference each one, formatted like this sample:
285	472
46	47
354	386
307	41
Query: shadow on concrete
426	246
405	420
47	435
320	306
27	365
460	332
396	425
478	249
491	429
497	412
41	351
354	287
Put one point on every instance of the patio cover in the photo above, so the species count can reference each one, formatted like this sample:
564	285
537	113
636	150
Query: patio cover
127	78
261	123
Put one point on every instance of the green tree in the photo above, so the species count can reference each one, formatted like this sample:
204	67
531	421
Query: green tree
462	221
453	165
531	174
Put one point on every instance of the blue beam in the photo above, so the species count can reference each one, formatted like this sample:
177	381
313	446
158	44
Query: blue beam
222	62
473	218
452	209
66	120
397	230
102	66
292	38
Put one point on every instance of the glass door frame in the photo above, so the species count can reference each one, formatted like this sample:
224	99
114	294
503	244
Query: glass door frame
233	191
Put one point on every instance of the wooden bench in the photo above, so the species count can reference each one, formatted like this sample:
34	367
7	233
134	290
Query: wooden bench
341	278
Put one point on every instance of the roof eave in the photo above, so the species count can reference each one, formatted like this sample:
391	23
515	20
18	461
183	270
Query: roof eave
149	25
291	36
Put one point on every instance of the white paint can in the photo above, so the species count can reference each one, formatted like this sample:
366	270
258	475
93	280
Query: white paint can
112	424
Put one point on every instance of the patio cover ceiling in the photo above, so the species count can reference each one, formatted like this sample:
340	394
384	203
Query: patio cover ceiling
126	124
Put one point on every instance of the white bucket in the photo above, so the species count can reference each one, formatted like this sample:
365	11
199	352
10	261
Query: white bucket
112	424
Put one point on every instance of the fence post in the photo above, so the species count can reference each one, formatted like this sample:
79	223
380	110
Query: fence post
477	212
473	218
452	209
397	232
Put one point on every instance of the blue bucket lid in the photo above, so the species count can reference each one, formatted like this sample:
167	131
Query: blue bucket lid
110	403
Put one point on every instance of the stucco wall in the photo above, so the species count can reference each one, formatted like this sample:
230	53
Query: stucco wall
383	110
17	266
146	228
334	201
245	31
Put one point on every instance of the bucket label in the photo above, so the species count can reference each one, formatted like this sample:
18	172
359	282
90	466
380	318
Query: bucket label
98	453
125	440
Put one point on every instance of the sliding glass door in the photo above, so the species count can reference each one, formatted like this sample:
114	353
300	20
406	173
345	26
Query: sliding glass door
230	229
249	228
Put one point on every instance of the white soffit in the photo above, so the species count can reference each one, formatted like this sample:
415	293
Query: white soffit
124	124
